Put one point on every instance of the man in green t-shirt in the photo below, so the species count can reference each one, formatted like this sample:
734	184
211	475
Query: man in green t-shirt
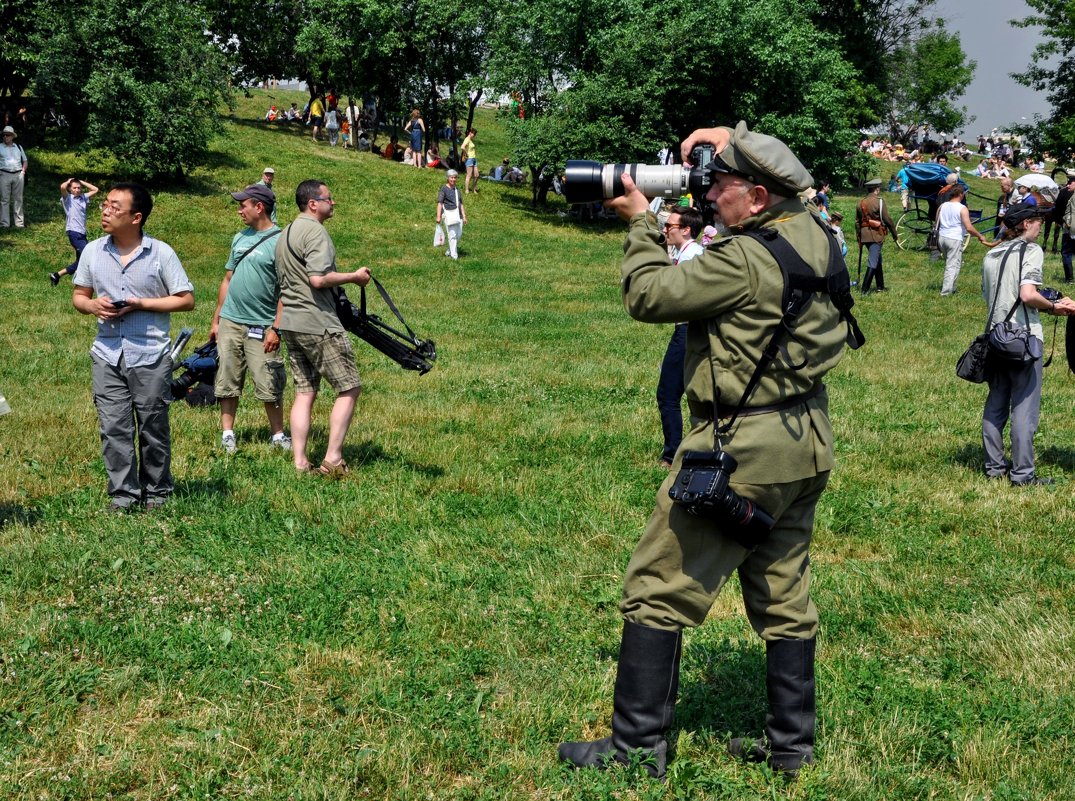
246	324
317	344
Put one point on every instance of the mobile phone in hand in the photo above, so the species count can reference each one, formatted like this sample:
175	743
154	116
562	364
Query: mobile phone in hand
119	304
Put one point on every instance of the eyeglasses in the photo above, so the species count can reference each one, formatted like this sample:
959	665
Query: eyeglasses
669	226
324	199
113	208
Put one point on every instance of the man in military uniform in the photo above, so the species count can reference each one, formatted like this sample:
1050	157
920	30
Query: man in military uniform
731	296
872	222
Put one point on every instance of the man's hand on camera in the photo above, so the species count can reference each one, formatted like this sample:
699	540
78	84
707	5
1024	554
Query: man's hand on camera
362	276
632	201
718	137
1065	307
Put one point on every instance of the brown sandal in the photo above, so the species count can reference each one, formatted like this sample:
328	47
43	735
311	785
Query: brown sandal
338	470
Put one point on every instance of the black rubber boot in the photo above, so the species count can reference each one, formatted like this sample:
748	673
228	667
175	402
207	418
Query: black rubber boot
879	274
647	682
867	280
789	726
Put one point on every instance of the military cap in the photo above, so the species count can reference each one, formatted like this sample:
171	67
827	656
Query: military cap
1021	212
762	160
257	192
872	183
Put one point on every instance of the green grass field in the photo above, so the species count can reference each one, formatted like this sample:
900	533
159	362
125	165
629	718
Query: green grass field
431	626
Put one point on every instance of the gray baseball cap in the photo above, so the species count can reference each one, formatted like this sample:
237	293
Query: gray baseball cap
258	192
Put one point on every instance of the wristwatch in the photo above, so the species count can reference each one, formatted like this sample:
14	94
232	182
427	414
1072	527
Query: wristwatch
275	330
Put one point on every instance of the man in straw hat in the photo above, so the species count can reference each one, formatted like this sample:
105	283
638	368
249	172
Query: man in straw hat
732	299
12	179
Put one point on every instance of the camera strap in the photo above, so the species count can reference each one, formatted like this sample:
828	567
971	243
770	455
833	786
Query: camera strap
407	350
253	247
801	284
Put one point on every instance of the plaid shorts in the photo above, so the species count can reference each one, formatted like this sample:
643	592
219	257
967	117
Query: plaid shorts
316	356
239	354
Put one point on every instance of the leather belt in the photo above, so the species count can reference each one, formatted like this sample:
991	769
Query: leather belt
12	172
704	411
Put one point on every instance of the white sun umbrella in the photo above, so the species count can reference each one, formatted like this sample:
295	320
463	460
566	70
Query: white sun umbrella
1040	184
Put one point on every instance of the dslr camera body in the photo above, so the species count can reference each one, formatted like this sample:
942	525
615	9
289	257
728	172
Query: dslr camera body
702	489
198	368
591	181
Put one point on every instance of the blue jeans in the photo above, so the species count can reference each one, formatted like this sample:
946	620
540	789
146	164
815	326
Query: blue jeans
670	389
78	242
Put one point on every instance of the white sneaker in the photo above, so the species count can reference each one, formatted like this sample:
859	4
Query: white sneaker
283	442
227	441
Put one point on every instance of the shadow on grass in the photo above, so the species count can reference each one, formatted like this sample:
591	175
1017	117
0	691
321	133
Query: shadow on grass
727	693
17	514
369	452
969	455
973	457
212	487
522	203
1061	457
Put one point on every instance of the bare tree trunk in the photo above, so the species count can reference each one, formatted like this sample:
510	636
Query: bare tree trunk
472	103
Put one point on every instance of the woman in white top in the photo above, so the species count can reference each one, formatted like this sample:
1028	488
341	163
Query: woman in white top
953	223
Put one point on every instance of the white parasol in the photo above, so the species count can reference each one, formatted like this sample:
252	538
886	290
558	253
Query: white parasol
1039	184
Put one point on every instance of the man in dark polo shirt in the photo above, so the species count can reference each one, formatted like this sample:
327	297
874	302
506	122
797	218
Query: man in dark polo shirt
317	344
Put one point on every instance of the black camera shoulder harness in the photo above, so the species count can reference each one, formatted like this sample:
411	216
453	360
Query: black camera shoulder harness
407	350
801	283
702	485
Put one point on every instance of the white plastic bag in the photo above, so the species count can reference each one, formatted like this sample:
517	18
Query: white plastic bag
438	236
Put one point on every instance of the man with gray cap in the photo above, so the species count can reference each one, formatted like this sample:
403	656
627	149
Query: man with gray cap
733	297
872	223
12	179
246	324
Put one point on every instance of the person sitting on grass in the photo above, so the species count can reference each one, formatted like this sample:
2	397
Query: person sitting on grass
75	198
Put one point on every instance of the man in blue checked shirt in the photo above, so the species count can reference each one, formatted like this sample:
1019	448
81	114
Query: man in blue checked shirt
131	283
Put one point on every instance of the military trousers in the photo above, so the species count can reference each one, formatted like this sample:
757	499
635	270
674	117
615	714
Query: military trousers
682	562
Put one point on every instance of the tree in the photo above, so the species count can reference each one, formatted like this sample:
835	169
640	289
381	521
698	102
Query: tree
630	93
868	34
19	23
147	85
1053	70
929	75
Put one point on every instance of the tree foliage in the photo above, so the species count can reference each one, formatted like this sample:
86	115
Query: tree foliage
869	33
630	92
930	73
1052	70
145	86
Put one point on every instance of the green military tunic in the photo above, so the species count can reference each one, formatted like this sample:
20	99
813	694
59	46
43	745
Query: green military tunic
731	296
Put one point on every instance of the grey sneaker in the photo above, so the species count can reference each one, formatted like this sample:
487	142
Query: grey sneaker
282	442
227	442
